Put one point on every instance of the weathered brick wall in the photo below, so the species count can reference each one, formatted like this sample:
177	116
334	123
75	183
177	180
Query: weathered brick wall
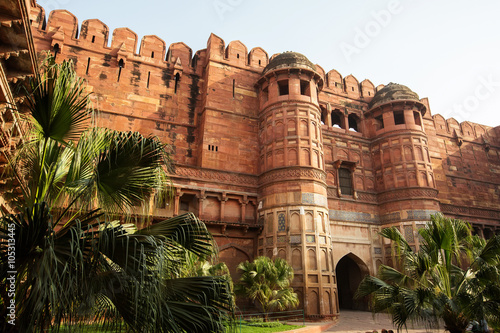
466	161
131	91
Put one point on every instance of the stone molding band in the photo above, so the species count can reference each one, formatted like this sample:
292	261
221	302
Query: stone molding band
215	175
470	211
292	173
407	194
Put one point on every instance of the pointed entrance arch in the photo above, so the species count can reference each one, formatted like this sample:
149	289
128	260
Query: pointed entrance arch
350	271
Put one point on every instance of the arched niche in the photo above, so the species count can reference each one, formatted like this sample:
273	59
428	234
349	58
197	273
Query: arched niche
232	255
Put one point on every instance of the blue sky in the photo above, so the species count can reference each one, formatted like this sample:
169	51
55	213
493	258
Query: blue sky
448	51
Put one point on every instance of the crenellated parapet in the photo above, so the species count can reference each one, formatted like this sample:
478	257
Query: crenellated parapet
465	130
236	54
350	86
62	28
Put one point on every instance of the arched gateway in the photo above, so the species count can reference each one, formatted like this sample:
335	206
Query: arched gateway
350	271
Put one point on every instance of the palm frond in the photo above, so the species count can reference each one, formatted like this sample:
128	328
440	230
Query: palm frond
186	230
130	171
433	284
58	103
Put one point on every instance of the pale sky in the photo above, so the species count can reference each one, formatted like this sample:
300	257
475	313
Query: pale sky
446	50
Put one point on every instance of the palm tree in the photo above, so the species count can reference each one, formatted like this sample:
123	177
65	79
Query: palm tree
268	282
74	263
454	277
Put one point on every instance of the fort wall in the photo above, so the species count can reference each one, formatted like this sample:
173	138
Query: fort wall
232	133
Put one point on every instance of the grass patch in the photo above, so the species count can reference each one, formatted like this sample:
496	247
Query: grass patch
253	329
246	327
85	328
264	327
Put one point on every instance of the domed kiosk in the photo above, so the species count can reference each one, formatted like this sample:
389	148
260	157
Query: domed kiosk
289	60
393	92
395	107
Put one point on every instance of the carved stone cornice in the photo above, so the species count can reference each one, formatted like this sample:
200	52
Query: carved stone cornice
407	194
209	175
464	211
292	173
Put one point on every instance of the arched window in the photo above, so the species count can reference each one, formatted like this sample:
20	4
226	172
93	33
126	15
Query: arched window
345	181
353	122
323	116
57	49
337	119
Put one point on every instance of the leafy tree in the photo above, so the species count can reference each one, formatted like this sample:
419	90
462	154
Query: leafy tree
74	263
268	282
454	277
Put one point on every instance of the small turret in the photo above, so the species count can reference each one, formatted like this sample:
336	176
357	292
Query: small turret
289	76
404	175
393	108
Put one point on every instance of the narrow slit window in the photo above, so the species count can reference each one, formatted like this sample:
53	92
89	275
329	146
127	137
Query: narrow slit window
283	87
120	66
88	66
237	55
259	62
399	118
234	82
177	79
152	54
93	39
149	76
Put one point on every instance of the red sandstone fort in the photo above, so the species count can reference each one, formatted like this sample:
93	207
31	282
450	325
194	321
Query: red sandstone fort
281	158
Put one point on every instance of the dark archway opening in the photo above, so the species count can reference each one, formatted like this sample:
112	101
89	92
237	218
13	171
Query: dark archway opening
353	123
349	275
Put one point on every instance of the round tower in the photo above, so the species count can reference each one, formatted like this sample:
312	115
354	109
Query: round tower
293	193
403	171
